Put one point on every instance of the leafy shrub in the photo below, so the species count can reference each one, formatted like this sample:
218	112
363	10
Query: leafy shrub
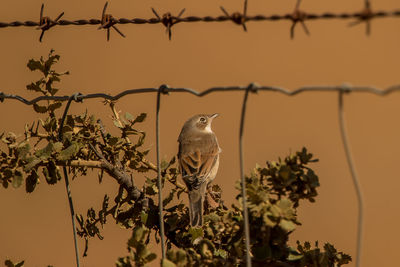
274	191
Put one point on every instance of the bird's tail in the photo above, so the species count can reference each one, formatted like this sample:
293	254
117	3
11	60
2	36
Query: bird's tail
196	206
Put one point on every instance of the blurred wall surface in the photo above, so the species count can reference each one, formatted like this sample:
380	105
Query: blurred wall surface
37	227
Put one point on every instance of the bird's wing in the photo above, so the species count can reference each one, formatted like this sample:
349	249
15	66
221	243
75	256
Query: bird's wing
196	158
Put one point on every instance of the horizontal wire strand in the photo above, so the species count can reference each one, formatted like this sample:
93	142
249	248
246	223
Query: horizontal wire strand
338	88
191	19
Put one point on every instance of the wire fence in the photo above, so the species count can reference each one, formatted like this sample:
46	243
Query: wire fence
251	88
108	21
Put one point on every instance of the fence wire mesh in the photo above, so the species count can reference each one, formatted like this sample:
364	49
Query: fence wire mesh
168	20
251	88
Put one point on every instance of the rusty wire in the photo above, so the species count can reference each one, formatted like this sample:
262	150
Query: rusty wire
164	89
160	91
319	88
354	176
250	88
107	21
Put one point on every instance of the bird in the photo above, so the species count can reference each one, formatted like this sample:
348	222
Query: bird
198	158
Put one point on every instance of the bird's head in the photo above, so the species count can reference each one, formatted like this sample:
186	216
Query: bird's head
201	122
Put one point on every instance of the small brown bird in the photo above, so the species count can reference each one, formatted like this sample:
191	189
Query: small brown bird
199	160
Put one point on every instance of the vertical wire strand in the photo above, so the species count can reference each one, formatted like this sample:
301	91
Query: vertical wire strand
354	177
67	187
244	198
160	198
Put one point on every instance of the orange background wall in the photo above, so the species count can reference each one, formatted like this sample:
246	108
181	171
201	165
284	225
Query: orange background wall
36	227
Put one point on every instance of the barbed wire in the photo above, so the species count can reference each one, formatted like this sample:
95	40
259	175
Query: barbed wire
251	88
108	21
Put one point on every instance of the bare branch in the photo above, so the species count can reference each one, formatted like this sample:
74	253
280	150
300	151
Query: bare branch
122	177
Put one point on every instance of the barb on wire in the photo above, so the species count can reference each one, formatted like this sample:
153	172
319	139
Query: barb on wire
45	23
107	21
250	88
366	16
162	90
238	17
354	175
76	98
298	16
168	20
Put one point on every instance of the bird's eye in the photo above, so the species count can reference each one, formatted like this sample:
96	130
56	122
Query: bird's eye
202	119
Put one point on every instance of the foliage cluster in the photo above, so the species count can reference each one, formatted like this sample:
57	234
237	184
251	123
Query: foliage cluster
274	191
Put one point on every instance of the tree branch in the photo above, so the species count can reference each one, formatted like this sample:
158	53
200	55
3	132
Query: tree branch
79	163
123	178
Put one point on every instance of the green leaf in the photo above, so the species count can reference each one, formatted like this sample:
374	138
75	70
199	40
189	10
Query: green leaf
9	263
53	91
195	233
168	199
8	173
17	179
268	220
212	217
128	116
285	205
45	153
30	163
31	181
221	253
138	234
39	109
112	141
140	118
23	150
164	164
167	263
52	173
287	225
69	152
51	60
57	147
35	86
35	65
118	124
143	217
54	106
5	184
294	256
284	172
150	257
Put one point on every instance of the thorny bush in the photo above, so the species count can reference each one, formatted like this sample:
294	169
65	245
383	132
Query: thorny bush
274	191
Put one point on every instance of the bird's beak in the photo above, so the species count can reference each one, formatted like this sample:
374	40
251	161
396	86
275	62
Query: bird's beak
213	116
